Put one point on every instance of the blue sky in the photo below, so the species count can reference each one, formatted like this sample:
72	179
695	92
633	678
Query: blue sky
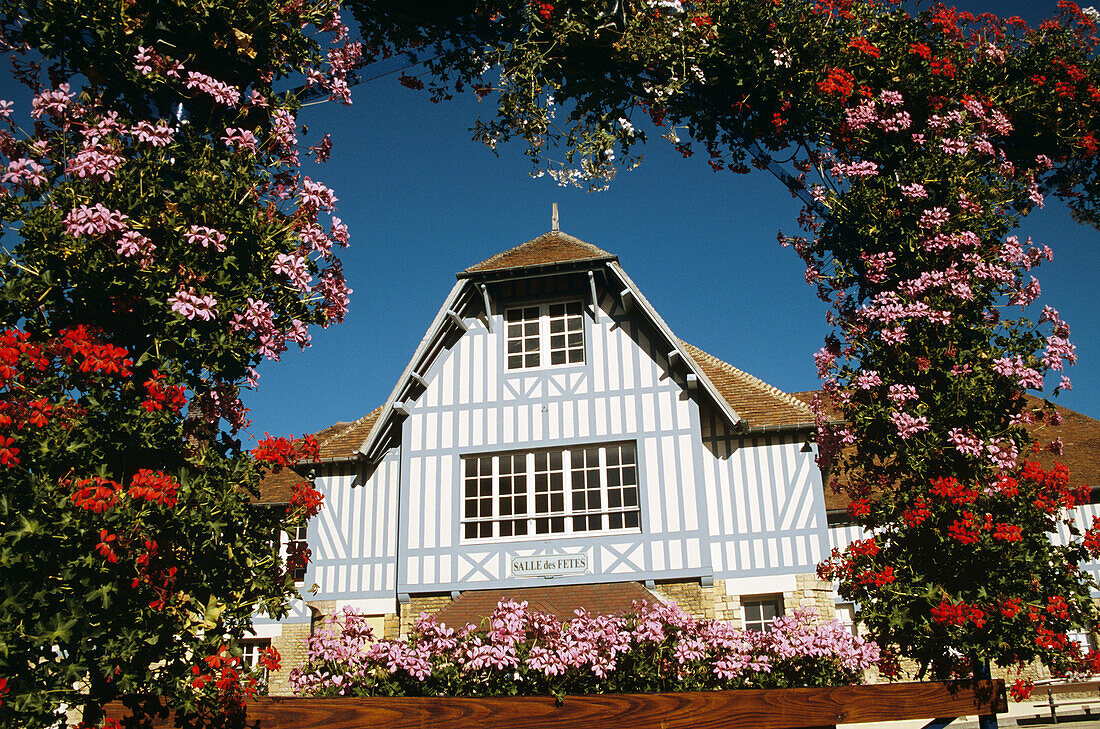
423	201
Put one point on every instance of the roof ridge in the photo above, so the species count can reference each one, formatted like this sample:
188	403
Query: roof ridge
348	429
752	379
488	263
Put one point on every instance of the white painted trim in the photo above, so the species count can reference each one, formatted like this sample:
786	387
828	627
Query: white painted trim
266	630
369	605
458	320
771	584
434	330
488	307
595	297
720	402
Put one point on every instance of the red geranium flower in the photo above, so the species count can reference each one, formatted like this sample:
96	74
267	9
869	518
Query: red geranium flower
839	82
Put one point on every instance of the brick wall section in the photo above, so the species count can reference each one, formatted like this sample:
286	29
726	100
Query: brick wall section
711	601
392	623
411	610
292	647
701	601
726	607
813	593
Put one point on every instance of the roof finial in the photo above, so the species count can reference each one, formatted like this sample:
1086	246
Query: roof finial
554	217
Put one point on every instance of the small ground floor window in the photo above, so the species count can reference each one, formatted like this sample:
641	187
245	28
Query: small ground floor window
251	648
761	611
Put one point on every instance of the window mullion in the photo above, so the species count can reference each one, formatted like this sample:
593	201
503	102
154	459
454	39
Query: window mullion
495	514
605	505
567	487
529	488
544	335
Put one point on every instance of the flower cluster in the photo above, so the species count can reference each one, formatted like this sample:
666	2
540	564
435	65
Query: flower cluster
305	500
156	487
523	651
281	452
190	305
95	494
161	395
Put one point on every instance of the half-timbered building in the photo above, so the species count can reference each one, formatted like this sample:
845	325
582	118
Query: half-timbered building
551	439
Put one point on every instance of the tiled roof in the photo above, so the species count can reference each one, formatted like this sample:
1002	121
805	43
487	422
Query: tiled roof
548	248
760	404
343	443
338	441
1080	436
275	488
616	597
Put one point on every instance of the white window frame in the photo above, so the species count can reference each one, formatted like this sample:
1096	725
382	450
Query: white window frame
761	624
300	535
544	349
251	648
566	521
846	616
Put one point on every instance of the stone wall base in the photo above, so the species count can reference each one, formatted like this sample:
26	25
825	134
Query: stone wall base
410	611
714	601
292	646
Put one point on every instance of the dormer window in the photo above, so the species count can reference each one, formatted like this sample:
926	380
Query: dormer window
545	334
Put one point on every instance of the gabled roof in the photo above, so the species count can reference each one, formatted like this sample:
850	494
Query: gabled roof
342	442
758	403
768	408
561	600
548	249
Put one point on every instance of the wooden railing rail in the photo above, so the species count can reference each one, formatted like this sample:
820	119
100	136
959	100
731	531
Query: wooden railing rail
758	708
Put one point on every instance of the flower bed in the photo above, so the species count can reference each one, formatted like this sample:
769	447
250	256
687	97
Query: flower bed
653	648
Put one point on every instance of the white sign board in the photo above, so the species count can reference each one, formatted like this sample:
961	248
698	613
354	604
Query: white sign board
552	565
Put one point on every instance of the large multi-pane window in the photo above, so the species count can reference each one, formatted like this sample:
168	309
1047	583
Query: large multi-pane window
552	491
544	334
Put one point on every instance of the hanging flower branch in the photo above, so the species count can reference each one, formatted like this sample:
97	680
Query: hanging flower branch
919	142
160	241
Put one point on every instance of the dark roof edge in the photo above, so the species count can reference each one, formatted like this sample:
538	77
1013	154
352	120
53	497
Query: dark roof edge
520	271
765	429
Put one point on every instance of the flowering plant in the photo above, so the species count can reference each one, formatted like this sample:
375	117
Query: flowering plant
160	240
918	141
654	647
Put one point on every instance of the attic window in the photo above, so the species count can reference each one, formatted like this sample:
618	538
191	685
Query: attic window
545	334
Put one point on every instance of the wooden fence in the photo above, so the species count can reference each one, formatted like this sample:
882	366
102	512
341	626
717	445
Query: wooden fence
758	708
